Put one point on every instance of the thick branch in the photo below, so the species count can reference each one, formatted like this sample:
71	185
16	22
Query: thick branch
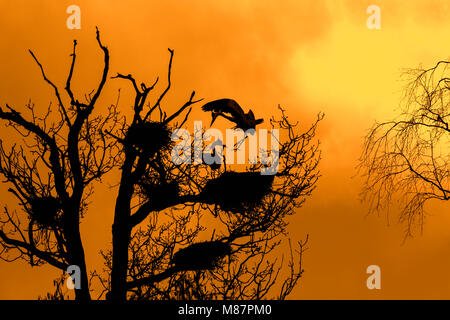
147	281
148	207
105	70
32	250
69	77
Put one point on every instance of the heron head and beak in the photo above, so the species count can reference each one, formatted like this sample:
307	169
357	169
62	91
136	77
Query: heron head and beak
214	117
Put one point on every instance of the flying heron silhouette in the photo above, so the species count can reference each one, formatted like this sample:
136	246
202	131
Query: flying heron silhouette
231	110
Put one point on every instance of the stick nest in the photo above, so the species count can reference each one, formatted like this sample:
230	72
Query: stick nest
237	191
201	256
149	137
45	211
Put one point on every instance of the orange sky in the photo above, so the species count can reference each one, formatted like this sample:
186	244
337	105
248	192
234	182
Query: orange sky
308	56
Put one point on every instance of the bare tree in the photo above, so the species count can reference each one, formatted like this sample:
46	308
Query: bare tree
173	257
409	157
51	174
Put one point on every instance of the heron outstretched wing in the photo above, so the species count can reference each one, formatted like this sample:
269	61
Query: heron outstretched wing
225	106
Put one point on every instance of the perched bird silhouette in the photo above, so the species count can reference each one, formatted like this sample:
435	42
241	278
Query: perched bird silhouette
222	107
213	159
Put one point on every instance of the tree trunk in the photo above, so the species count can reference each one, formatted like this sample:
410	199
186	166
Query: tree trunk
121	232
79	260
121	238
76	251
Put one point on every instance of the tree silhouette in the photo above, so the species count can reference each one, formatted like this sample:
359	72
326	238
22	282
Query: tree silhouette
181	230
51	174
409	156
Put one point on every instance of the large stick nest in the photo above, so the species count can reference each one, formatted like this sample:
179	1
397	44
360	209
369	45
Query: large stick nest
201	256
237	191
149	137
45	211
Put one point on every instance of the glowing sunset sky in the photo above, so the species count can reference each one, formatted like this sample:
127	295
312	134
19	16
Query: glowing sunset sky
308	56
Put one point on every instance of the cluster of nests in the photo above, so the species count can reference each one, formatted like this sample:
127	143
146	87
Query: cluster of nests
237	191
201	256
44	211
149	137
231	191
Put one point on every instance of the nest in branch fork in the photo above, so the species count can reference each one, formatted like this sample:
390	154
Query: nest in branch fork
161	195
237	191
201	256
44	211
149	137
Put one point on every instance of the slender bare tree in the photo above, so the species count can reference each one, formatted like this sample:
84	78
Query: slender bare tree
409	157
